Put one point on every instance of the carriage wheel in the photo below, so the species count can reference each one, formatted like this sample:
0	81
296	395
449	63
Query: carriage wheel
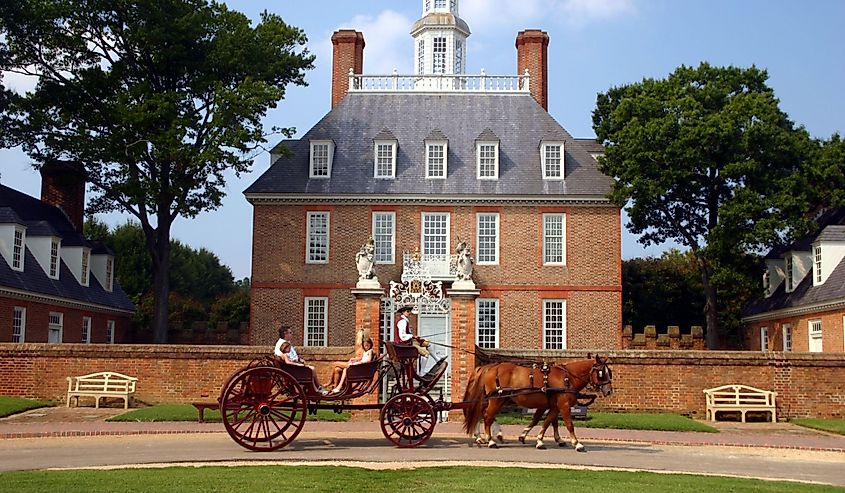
407	420
263	408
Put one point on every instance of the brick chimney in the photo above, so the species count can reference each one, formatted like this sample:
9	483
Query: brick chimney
347	53
63	185
532	53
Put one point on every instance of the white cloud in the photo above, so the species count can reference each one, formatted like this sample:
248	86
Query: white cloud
387	42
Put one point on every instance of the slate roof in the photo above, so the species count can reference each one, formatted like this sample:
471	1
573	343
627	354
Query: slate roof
517	121
46	220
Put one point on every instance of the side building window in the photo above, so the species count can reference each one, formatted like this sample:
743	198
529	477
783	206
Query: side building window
19	324
815	342
554	324
554	239
86	330
764	339
787	337
487	228
384	234
316	321
317	248
55	327
487	323
110	332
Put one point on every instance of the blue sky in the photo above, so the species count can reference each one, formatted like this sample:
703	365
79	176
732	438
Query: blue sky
595	44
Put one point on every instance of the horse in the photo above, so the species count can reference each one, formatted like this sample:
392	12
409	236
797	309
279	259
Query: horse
557	389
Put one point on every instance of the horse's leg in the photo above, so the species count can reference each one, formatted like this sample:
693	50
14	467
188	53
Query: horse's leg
550	418
555	427
534	420
564	406
493	406
497	429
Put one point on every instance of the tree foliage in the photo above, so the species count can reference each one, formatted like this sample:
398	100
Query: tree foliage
703	158
158	99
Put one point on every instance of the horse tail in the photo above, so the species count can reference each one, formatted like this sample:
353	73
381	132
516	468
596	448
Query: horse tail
474	399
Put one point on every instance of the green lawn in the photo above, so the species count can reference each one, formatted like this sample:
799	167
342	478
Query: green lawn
829	425
187	412
624	421
14	405
347	479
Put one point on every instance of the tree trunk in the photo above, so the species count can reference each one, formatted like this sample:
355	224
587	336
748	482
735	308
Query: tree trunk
711	336
161	284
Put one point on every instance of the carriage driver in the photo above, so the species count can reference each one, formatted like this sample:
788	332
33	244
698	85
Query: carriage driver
404	336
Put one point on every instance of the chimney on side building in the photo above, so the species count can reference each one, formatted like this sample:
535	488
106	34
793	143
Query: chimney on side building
63	186
347	53
532	53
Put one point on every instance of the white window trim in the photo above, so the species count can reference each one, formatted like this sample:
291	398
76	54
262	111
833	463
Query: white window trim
110	329
329	156
428	145
86	330
308	259
496	332
563	240
392	236
478	145
817	265
478	237
786	329
545	323
543	147
85	267
55	261
448	231
392	144
790	275
324	328
109	274
60	324
764	339
18	264
810	337
22	335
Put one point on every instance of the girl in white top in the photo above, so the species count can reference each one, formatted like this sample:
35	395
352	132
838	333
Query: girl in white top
340	369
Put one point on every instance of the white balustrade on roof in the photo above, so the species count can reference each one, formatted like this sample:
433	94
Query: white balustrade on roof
461	83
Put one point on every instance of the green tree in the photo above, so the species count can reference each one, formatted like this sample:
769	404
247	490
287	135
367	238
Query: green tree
702	158
157	98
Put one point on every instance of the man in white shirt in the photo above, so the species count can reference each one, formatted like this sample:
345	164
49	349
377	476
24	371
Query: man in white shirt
284	336
403	335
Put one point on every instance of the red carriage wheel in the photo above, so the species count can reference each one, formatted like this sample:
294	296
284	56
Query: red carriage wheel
263	408
407	420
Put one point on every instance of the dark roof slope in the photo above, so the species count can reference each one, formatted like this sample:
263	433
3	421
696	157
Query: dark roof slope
803	294
517	121
44	219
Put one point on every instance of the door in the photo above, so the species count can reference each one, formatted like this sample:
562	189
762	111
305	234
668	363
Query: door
437	330
815	345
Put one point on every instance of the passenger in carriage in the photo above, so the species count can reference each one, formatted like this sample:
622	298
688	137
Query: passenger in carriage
403	335
340	369
284	336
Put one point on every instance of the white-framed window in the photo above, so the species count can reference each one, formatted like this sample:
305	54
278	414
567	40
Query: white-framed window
55	327
487	323
554	239
421	56
322	152
109	274
435	234
86	267
554	324
440	4
435	160
789	278
487	230
384	234
86	330
787	337
438	53
317	249
551	154
110	331
487	155
817	252
764	338
19	324
767	282
815	334
459	56
385	163
17	249
316	321
54	258
386	319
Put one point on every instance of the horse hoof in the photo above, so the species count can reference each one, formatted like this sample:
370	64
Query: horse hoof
500	439
522	440
561	444
580	448
492	445
540	446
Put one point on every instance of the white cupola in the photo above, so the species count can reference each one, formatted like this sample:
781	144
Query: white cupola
440	39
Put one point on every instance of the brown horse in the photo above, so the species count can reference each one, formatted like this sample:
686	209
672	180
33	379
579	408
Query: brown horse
491	386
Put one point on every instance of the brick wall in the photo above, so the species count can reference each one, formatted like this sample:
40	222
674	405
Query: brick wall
833	333
590	281
37	320
807	384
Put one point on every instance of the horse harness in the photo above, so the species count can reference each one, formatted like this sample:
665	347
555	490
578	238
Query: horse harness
545	369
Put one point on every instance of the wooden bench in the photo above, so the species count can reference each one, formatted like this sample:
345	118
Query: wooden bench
202	406
100	385
739	398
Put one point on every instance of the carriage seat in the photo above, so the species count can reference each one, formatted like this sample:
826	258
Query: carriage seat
399	352
363	372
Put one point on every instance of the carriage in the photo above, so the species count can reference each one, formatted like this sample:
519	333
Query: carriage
264	404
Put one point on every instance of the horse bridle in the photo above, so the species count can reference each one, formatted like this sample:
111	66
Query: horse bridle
604	376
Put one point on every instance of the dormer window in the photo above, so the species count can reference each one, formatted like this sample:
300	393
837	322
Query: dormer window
322	152
435	160
84	273
789	286
54	258
17	249
551	156
767	283
109	274
487	155
817	263
385	159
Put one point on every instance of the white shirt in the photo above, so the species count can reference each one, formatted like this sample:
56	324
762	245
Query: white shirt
404	327
278	350
367	356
